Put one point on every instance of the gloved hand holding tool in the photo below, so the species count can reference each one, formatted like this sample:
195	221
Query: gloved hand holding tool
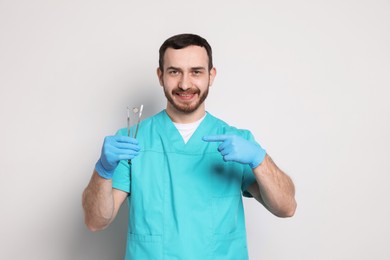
115	148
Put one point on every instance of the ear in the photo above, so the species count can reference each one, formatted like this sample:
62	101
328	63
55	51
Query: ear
213	73
160	76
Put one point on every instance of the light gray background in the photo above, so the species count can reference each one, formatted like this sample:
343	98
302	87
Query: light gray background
310	79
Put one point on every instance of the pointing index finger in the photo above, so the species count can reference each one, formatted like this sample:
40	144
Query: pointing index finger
215	138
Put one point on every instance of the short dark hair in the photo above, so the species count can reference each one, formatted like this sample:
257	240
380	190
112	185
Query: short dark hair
181	41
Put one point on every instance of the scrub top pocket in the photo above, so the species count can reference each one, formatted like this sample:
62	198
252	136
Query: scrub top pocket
229	239
144	247
225	212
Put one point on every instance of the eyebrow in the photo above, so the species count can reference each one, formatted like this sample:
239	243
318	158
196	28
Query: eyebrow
198	68
173	68
179	69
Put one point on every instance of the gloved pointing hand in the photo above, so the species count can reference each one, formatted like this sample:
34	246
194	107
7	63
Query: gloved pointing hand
237	149
115	148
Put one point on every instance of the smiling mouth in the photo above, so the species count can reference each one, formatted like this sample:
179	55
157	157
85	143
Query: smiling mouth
185	95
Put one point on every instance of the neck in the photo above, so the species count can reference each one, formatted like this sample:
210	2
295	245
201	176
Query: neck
183	117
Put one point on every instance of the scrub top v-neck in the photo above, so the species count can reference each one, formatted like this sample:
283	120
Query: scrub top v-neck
185	201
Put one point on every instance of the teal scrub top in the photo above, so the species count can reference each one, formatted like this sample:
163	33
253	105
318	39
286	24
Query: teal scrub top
185	201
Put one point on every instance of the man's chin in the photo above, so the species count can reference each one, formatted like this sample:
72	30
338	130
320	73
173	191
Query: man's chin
186	110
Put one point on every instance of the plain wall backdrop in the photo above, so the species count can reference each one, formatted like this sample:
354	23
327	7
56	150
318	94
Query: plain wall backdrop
310	79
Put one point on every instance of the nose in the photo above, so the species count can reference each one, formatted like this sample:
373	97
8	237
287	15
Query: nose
185	82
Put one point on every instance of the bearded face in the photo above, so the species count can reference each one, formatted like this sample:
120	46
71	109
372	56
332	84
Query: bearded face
186	78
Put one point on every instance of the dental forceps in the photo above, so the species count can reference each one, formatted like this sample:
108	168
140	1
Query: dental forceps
137	113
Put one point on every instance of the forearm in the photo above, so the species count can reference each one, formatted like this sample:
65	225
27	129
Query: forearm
276	189
98	203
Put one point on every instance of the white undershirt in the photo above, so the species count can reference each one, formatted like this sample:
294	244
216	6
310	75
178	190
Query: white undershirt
186	130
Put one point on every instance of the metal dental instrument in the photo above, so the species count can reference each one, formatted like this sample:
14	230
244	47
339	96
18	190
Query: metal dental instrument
128	121
137	112
128	127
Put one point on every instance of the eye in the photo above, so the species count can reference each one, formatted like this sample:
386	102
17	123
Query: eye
173	72
197	72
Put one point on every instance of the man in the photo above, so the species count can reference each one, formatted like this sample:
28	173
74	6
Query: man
188	170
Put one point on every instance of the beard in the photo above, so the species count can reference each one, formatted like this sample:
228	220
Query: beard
186	107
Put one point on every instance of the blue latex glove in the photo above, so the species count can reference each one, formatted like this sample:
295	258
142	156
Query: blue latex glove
115	148
237	149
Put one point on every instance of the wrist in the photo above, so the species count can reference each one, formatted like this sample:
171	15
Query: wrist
259	158
102	171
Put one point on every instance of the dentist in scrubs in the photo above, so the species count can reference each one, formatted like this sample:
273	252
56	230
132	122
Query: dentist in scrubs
188	173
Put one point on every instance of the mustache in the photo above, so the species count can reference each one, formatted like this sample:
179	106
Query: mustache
187	91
